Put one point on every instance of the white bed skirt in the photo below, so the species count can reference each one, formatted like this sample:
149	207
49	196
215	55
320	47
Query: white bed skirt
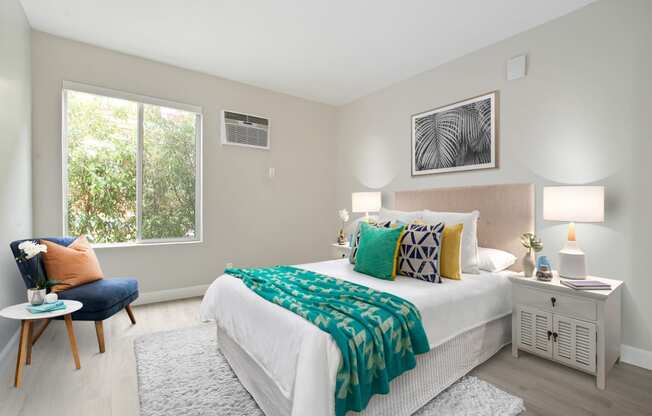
435	371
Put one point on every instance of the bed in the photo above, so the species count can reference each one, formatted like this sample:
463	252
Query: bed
466	321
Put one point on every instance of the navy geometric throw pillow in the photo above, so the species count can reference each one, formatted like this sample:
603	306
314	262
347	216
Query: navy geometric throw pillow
419	252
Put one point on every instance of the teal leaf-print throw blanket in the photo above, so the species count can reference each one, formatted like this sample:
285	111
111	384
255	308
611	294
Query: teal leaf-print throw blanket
378	333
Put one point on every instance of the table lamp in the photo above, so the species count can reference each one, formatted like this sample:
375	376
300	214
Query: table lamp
573	204
365	202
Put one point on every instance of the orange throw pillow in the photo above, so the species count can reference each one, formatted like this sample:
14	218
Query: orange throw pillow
75	265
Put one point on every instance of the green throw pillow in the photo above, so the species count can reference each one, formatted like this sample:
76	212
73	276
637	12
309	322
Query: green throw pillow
377	251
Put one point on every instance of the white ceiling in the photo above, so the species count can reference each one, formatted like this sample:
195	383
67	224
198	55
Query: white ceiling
331	51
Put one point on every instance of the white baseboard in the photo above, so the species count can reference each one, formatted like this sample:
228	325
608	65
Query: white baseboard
171	294
9	348
636	356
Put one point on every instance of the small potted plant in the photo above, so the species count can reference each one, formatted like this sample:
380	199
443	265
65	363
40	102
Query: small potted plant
533	245
30	251
344	216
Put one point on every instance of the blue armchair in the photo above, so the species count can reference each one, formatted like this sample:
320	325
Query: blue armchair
102	298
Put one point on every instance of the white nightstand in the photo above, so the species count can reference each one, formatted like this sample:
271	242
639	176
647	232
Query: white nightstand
340	251
578	328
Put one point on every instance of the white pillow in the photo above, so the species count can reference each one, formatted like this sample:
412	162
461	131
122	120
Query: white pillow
469	234
405	217
494	260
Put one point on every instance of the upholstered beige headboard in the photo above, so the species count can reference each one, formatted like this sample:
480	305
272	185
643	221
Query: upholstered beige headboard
506	211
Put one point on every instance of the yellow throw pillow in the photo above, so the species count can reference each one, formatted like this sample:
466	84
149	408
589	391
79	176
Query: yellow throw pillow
450	262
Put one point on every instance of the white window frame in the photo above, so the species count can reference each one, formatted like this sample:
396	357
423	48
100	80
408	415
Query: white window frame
140	100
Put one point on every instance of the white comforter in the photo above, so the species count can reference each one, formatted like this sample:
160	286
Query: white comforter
303	360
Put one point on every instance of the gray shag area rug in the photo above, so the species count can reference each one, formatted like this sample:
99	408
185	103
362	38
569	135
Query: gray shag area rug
182	373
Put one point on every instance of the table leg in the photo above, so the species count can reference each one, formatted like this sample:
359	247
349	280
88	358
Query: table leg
73	340
25	326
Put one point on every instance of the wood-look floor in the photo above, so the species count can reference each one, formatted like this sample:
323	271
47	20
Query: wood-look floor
107	385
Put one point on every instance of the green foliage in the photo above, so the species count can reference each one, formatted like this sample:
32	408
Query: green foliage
531	242
102	138
168	173
102	158
44	283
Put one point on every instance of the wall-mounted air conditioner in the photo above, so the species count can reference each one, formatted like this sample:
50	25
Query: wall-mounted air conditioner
240	129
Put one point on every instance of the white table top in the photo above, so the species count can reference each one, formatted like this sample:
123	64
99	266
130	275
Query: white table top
556	285
20	311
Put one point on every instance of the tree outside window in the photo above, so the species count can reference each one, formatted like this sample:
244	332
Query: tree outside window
132	169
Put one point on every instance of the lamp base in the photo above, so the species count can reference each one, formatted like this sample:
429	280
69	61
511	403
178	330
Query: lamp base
572	262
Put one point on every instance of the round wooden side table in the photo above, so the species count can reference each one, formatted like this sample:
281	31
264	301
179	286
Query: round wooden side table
27	336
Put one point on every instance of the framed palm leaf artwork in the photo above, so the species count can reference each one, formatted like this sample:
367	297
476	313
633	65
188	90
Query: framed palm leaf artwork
460	136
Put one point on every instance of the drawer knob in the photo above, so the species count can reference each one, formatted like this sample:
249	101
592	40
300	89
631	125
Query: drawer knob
553	300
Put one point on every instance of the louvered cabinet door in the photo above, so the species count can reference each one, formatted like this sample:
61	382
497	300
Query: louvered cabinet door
584	325
534	328
575	343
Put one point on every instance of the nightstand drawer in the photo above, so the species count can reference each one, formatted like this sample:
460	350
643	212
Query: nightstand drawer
557	303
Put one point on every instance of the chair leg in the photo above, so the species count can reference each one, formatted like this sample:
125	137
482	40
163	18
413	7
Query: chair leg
131	314
99	331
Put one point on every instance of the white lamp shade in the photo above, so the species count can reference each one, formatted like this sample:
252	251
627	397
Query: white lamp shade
573	203
365	201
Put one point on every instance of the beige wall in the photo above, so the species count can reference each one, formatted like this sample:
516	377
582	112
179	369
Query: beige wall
15	166
580	116
577	118
639	308
248	219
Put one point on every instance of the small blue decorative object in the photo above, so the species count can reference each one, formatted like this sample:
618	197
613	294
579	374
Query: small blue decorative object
543	261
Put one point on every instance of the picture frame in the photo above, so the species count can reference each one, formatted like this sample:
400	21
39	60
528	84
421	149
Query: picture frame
457	137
